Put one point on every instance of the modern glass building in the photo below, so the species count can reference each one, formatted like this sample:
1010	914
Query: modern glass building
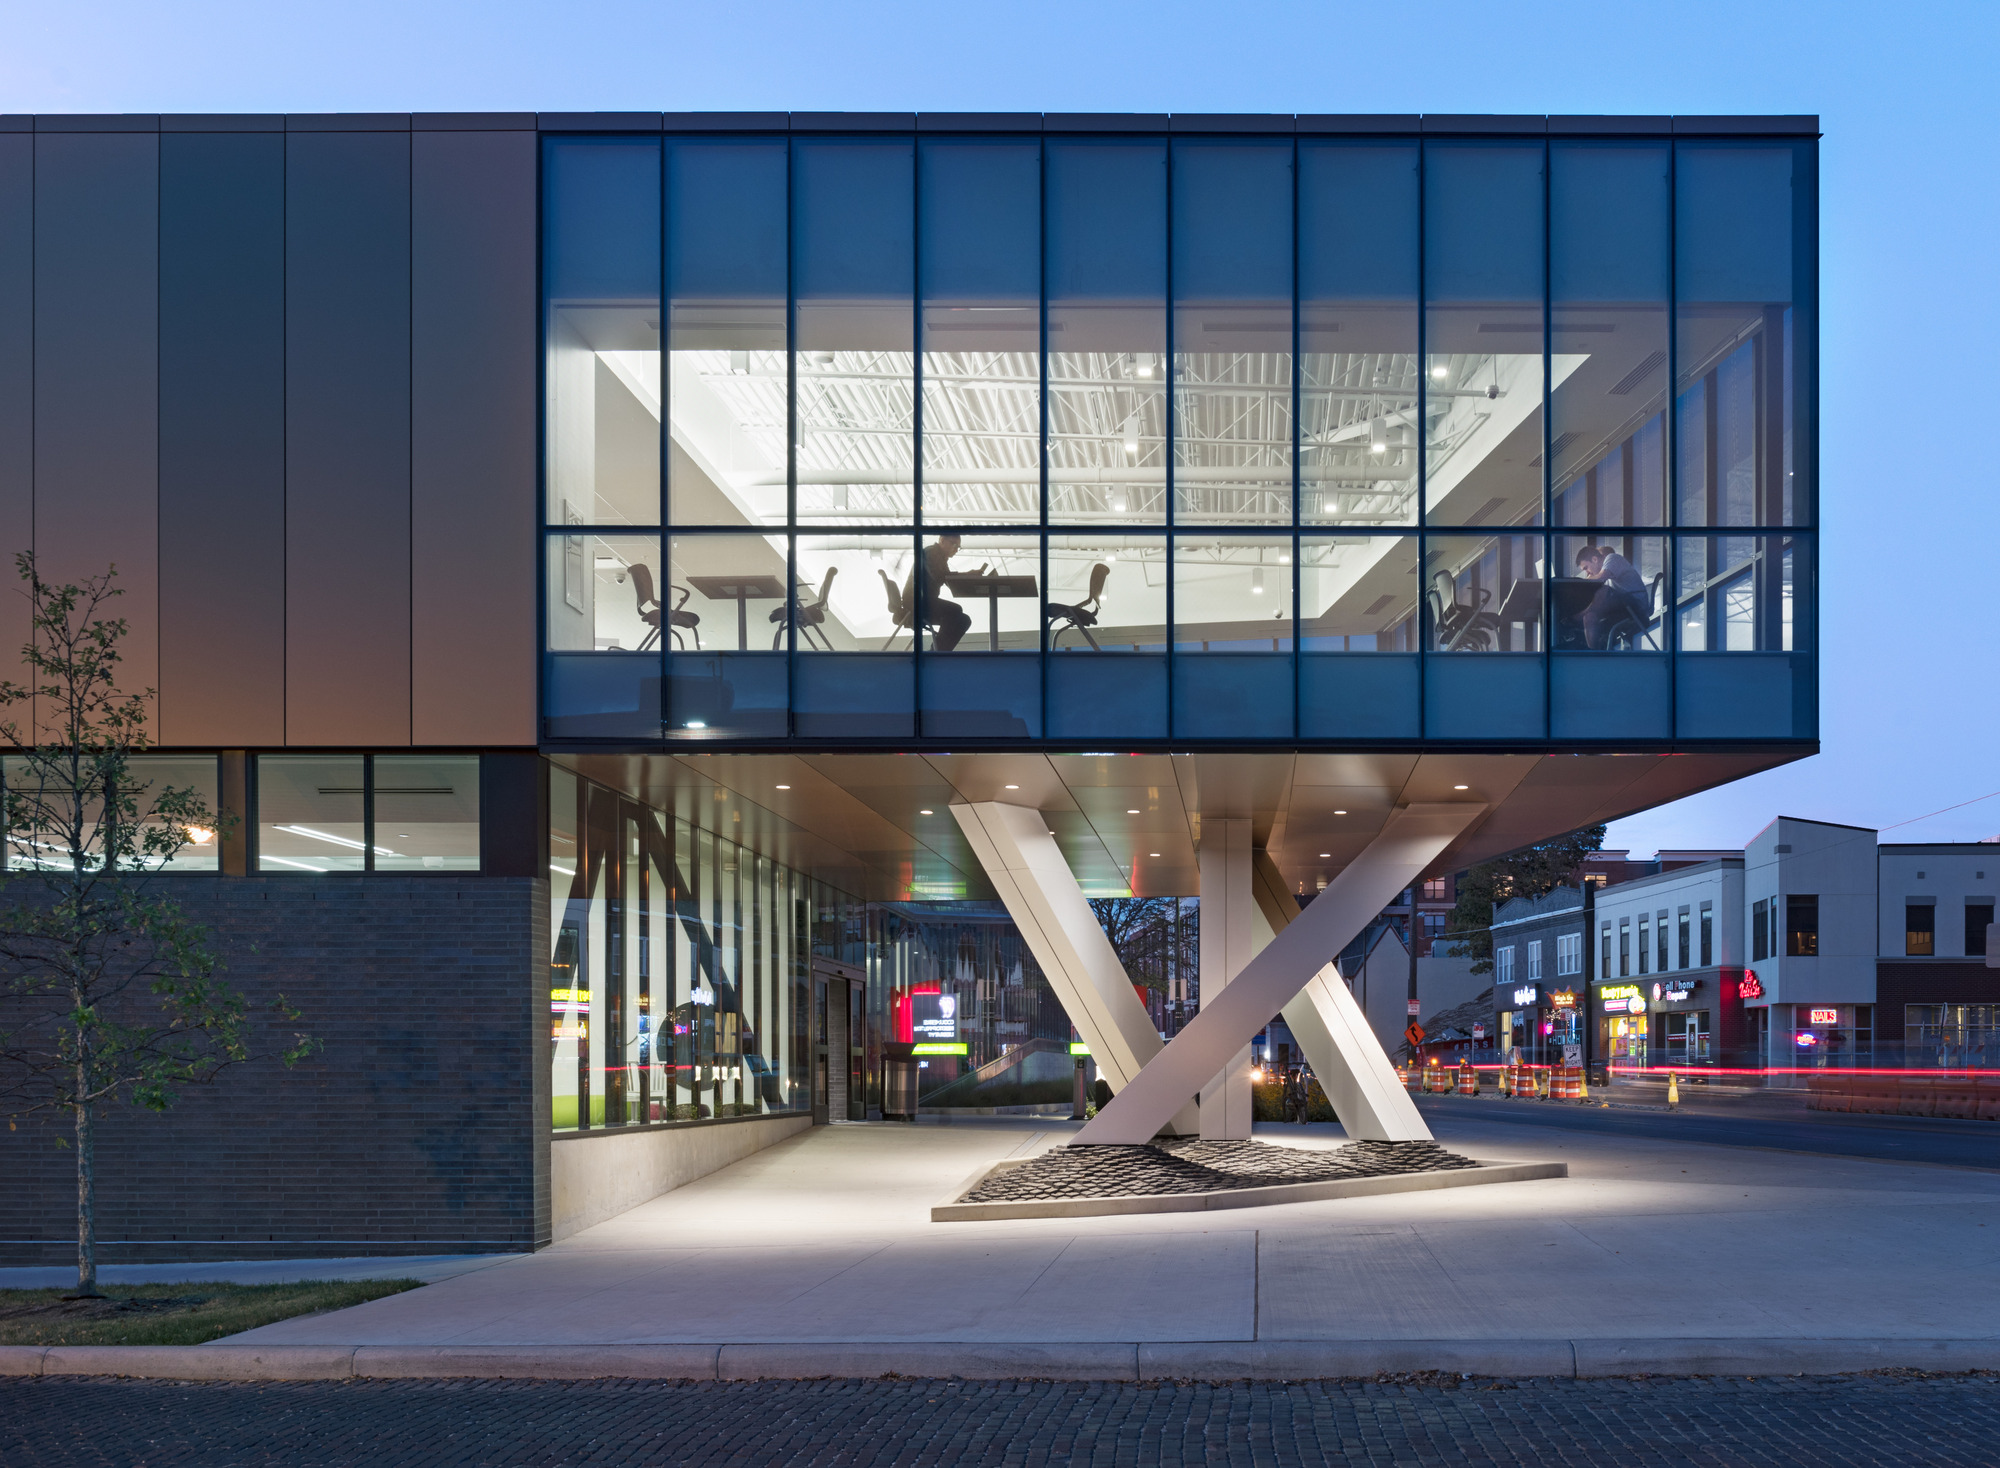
598	561
949	438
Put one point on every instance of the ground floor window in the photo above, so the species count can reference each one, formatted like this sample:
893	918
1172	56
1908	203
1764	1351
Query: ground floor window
679	963
1624	1039
1952	1036
1687	1037
1826	1036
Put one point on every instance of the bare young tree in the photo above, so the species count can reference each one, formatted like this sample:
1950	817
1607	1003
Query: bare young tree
108	991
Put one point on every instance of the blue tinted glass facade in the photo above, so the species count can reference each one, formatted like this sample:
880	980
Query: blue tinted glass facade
1141	441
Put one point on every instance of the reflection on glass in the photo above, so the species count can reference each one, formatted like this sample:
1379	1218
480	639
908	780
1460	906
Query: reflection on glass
981	254
601	262
675	961
1483	334
1358	333
605	595
854	253
982	592
726	332
1107	593
1232	593
728	592
149	777
860	592
1233	332
1740	213
1609	593
1484	593
311	813
427	812
1107	286
1358	593
1608	272
1743	593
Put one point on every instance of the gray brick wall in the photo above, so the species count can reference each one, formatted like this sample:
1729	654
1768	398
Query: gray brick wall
420	1127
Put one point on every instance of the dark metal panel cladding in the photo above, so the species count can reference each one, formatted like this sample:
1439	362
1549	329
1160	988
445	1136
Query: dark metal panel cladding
97	213
347	438
472	487
17	376
222	438
1340	124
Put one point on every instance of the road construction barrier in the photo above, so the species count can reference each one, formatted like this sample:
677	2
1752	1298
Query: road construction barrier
1560	1086
1434	1077
1468	1079
1403	1076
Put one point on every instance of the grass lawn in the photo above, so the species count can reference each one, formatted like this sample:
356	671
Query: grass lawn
174	1314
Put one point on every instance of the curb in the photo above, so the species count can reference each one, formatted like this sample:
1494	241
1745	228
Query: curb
952	1211
1008	1361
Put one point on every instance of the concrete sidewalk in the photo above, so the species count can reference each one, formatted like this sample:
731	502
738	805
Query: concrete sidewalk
817	1258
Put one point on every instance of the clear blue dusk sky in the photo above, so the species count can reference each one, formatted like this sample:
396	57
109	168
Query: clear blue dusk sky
1910	231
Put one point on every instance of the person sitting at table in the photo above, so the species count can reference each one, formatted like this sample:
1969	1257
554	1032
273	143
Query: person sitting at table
947	617
1622	595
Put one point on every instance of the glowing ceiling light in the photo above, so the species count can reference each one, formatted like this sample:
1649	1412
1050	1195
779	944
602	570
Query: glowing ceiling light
1440	372
1461	787
1378	436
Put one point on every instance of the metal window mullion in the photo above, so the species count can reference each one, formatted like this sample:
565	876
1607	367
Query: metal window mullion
665	509
1548	442
1042	430
1424	630
791	451
1298	481
1167	425
367	813
1670	425
923	590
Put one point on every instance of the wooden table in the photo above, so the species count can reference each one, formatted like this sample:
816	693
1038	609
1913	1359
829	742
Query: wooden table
965	585
742	590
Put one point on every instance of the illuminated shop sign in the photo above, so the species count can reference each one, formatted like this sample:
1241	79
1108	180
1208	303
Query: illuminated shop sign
1807	1039
703	994
1563	999
1826	1016
939	1049
1622	999
934	1017
1676	989
1077	1047
1527	996
1748	986
569	996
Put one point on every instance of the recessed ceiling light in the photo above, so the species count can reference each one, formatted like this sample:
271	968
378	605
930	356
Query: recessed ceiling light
1131	812
784	787
1013	787
1152	853
923	812
1461	787
1340	812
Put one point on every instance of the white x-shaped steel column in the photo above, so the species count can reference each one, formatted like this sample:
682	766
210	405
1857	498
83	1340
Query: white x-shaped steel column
1300	956
1040	892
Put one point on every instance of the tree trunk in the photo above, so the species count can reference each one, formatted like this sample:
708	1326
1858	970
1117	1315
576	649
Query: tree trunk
86	1195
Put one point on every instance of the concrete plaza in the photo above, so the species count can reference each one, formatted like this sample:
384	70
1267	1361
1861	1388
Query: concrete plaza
824	1240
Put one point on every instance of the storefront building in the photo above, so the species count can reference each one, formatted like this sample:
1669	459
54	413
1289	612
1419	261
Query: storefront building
598	559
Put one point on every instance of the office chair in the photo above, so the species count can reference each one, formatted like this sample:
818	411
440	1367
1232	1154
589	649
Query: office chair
650	610
1083	616
903	608
1630	629
1461	626
810	615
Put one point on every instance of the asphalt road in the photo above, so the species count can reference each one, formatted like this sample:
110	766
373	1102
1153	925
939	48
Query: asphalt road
1751	1121
1820	1422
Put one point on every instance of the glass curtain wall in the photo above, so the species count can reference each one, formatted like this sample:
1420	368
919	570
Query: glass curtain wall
679	964
1521	425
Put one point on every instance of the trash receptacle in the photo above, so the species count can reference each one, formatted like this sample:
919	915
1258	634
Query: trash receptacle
899	1082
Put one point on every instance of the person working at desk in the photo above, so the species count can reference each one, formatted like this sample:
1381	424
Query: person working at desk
1623	594
948	617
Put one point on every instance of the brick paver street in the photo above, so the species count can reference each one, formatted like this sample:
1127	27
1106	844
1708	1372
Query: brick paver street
1868	1420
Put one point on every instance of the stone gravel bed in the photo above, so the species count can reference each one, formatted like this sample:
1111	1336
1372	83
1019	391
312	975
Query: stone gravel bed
1196	1166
